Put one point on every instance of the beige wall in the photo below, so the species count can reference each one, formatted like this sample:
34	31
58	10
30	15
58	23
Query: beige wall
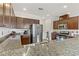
47	27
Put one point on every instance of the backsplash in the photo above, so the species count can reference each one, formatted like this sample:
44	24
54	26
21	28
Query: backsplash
4	31
71	32
74	33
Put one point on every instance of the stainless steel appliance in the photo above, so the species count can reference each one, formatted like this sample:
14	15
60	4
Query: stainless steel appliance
36	33
62	26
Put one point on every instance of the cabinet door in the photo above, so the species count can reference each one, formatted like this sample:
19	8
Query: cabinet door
6	21
31	21
19	22
36	21
13	22
25	40
72	23
1	20
55	24
26	22
63	21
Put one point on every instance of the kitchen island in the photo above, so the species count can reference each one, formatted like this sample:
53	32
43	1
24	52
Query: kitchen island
68	47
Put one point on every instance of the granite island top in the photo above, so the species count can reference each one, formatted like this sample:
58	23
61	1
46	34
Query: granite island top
67	47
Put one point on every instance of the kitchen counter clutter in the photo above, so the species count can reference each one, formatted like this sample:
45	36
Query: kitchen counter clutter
68	47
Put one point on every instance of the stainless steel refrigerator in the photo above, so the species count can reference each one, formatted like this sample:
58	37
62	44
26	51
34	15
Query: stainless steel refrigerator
36	33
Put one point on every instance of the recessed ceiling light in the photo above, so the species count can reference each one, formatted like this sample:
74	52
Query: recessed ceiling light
7	5
24	9
48	15
65	6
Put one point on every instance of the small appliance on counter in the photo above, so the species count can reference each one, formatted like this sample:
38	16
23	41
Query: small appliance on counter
13	34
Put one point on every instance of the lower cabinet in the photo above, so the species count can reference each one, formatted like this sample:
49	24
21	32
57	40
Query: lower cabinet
25	39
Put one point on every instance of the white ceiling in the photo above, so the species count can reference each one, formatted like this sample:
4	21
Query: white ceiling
51	10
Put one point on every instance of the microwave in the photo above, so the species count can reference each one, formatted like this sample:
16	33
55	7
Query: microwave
62	26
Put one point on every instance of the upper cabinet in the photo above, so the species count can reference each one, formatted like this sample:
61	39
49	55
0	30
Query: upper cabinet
1	21
55	24
16	22
6	15
25	22
6	21
8	18
19	22
36	21
69	23
13	22
28	22
72	23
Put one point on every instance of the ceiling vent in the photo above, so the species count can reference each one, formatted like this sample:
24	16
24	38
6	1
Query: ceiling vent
40	8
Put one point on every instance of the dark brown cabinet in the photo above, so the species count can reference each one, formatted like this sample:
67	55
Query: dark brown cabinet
1	21
13	22
36	21
25	22
16	22
25	39
55	24
6	21
19	22
28	22
72	23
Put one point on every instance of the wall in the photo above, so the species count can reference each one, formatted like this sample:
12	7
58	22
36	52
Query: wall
47	27
44	31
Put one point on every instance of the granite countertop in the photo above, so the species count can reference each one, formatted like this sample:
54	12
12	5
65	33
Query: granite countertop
68	47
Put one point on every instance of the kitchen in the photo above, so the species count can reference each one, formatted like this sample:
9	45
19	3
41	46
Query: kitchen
26	35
